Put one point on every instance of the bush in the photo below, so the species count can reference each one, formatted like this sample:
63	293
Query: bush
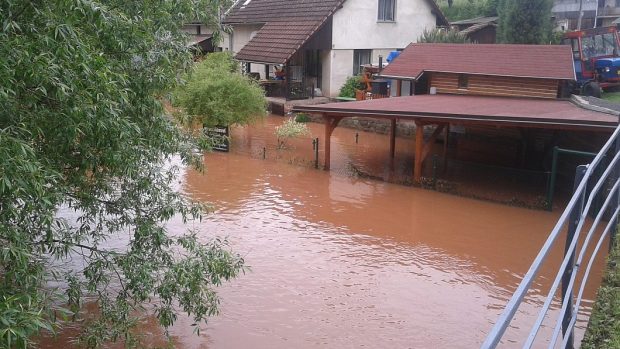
438	35
301	117
353	83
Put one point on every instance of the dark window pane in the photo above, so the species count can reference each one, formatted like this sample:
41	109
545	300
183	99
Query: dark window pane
360	57
463	81
386	10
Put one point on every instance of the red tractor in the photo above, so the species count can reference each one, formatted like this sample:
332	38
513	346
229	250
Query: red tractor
596	55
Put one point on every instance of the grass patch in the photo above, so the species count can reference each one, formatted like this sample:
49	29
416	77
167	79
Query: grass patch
603	330
612	96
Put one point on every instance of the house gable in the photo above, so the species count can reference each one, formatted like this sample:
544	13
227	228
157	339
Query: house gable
356	24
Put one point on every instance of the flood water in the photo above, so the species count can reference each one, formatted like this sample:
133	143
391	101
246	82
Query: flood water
340	261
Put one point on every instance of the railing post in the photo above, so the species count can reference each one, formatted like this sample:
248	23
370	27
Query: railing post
616	199
572	230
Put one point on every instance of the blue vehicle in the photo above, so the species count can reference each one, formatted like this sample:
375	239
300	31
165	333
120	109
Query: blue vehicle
596	55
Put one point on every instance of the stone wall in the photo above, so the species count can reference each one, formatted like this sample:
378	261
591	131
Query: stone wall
403	128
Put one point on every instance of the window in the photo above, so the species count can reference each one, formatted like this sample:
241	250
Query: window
463	81
360	57
386	10
599	45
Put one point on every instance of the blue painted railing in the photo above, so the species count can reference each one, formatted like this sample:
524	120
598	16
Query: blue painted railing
600	180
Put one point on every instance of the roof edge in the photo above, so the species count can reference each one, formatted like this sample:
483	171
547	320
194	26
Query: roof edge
396	77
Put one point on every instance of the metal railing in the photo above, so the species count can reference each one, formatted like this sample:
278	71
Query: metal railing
599	179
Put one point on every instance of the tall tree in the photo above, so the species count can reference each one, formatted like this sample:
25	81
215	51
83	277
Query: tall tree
85	182
525	21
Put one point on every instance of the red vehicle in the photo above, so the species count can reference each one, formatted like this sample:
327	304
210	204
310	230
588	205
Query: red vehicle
596	56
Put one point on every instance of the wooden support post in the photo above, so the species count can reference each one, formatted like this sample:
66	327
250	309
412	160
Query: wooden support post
399	88
446	138
287	83
393	138
419	147
330	124
422	148
266	71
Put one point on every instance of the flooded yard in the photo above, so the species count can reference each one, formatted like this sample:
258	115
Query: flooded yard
343	261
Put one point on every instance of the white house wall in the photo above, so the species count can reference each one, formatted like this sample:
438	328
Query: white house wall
341	67
355	26
326	62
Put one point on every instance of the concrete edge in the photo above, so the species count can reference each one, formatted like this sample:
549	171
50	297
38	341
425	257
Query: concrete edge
582	103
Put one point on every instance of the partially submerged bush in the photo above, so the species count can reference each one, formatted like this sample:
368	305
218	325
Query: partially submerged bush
290	129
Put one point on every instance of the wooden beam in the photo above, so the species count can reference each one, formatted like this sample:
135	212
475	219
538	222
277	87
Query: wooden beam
446	137
399	88
423	148
392	138
330	124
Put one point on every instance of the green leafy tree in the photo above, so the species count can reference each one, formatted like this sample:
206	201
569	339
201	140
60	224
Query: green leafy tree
84	149
465	9
439	35
217	94
525	22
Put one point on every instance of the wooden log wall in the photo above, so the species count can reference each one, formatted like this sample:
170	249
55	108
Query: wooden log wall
484	85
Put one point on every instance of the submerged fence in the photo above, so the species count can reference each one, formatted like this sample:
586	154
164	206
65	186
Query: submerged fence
597	181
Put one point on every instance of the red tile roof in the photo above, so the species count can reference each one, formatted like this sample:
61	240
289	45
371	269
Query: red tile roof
276	42
263	11
289	24
474	109
534	61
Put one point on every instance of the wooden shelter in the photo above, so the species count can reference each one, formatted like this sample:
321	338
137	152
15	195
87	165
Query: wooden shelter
439	111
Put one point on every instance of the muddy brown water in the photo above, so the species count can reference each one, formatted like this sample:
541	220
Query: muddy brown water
339	261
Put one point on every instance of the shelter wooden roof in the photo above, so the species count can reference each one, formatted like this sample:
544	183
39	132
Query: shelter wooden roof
532	61
476	20
476	27
501	111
